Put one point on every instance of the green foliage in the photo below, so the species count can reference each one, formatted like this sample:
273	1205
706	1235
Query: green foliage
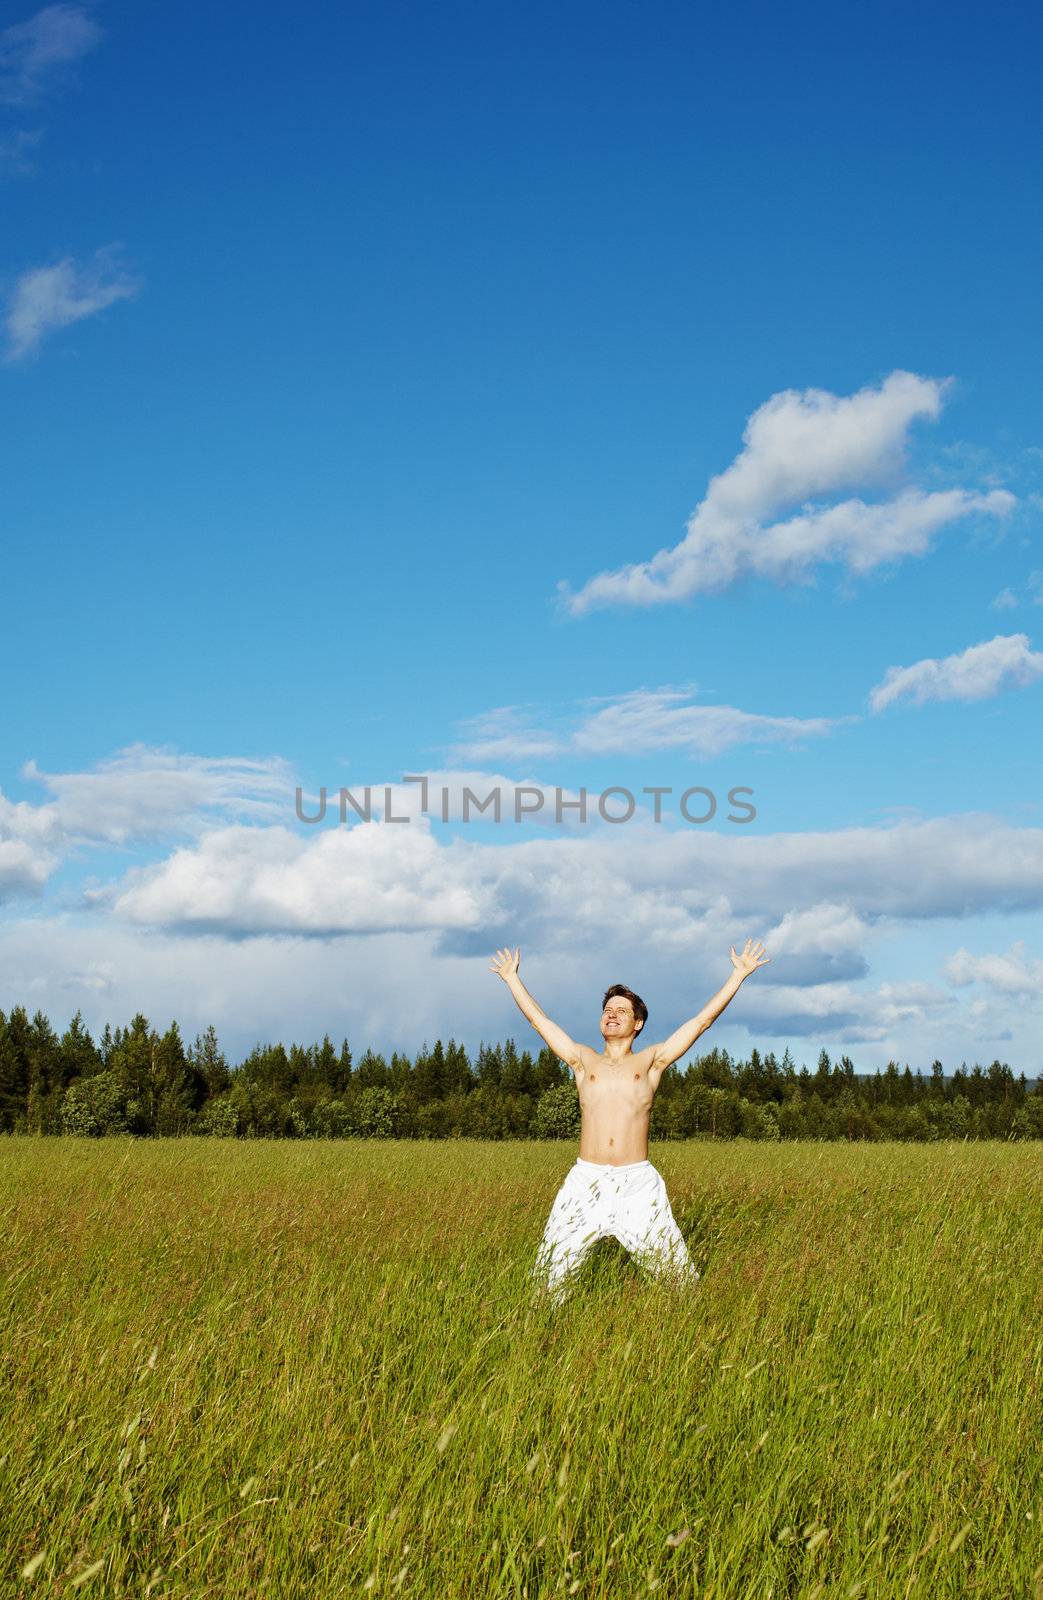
94	1106
219	1117
321	1092
332	1119
373	1114
557	1113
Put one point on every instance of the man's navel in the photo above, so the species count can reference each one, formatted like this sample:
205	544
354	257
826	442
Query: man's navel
593	1077
612	1141
636	1076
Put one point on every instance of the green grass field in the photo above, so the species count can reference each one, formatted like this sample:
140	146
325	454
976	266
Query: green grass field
315	1369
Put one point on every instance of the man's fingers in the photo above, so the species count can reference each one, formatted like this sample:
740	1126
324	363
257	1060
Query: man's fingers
753	950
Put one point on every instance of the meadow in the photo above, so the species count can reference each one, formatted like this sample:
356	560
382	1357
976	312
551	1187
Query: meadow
293	1369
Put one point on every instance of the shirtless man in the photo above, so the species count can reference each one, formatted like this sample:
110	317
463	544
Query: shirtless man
613	1189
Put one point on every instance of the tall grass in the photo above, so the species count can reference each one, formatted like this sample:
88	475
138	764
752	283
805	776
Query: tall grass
318	1369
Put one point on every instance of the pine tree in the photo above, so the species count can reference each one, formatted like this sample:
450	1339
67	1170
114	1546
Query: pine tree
132	1063
342	1081
209	1060
45	1084
489	1065
429	1074
372	1072
78	1055
179	1085
550	1072
459	1079
326	1066
14	1070
1001	1082
400	1072
518	1074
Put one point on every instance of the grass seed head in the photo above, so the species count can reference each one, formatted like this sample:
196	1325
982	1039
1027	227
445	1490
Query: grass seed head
89	1572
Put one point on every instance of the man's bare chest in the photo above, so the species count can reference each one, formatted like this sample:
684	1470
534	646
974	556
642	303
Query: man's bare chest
614	1084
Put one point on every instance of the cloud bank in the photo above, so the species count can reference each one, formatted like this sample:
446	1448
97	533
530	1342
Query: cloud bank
384	929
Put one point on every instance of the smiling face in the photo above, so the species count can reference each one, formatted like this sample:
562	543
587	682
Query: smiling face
617	1019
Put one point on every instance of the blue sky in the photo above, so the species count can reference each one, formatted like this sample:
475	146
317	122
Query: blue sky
577	397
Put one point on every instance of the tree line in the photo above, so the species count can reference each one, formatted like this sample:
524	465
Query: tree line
137	1081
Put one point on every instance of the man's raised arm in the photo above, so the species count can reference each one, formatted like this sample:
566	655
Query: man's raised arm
506	965
673	1049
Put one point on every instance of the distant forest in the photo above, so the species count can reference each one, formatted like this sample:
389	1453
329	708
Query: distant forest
141	1082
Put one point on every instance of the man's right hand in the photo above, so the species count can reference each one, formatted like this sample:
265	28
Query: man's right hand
504	964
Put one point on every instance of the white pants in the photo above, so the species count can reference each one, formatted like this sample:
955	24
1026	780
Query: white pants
598	1200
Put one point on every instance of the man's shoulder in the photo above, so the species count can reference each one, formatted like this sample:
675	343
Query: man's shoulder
641	1058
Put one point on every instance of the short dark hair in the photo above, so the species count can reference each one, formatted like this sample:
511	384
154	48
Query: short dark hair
640	1009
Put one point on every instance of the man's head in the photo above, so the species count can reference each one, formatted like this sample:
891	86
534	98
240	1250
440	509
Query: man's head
623	1013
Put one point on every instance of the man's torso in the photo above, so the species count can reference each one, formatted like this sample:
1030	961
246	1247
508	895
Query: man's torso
615	1099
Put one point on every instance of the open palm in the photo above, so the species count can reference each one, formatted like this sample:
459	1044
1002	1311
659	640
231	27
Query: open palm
504	963
752	957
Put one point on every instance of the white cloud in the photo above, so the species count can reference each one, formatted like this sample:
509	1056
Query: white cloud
383	929
852	1016
1010	974
391	991
140	794
371	878
24	867
503	733
34	51
50	297
814	888
266	909
819	943
972	674
146	795
394	990
1008	599
658	719
666	887
30	847
637	722
800	446
147	792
